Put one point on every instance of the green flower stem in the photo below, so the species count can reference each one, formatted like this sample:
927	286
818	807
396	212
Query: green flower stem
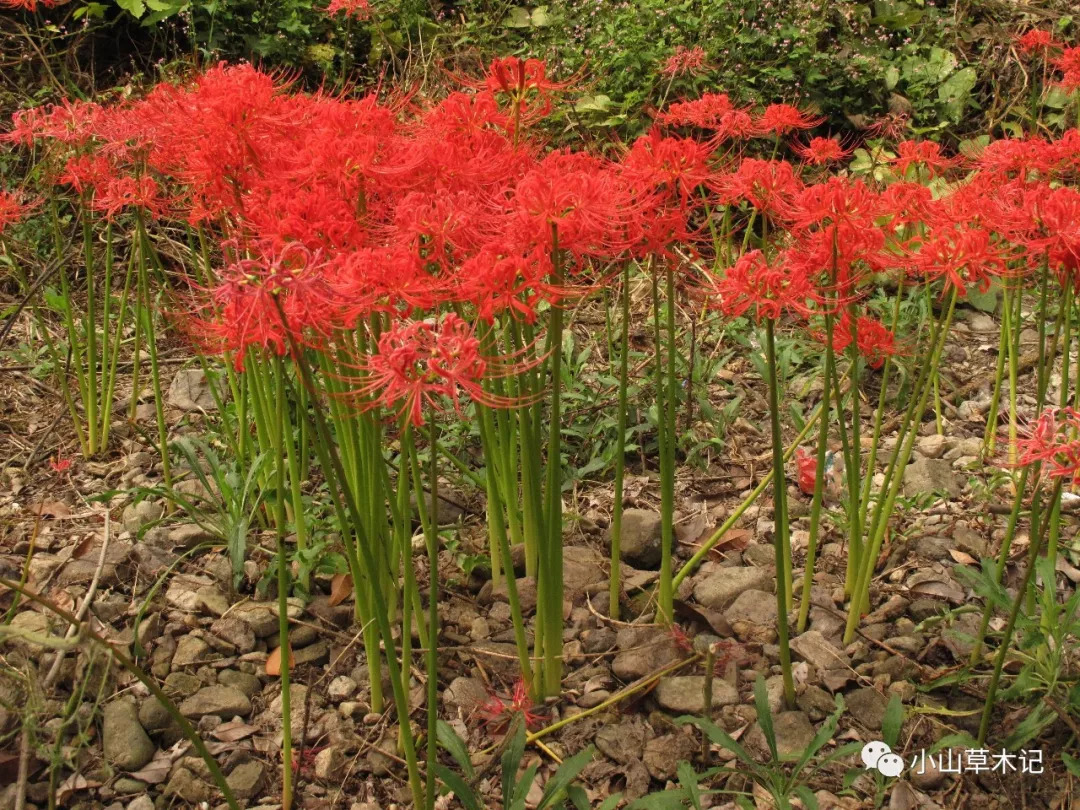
819	481
665	608
895	474
990	434
614	584
781	540
283	589
551	571
151	346
342	494
1037	536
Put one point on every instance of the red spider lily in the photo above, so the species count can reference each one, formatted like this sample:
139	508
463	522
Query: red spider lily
84	173
30	5
926	154
525	84
681	639
1036	41
768	185
906	203
678	167
420	362
356	9
820	151
685	61
12	209
1068	62
780	119
874	340
120	193
706	112
497	712
1053	441
890	127
806	468
762	288
60	465
960	254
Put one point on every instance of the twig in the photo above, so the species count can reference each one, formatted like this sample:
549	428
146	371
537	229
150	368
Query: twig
54	671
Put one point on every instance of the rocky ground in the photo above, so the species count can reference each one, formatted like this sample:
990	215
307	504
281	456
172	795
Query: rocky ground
208	648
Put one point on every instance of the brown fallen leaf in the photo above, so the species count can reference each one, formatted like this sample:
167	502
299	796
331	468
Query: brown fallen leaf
52	509
273	662
962	557
341	588
84	547
72	784
233	730
156	770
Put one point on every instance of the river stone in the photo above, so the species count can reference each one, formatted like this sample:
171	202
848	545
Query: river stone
126	743
793	731
867	706
663	754
722	586
223	701
190	651
190	391
928	475
246	779
685	694
815	649
640	544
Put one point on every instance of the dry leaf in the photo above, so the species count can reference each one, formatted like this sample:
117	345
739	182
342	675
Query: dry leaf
156	770
962	557
74	783
233	730
273	662
84	547
52	509
340	589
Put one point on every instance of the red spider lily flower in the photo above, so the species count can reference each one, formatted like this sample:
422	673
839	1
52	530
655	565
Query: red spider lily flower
1053	441
874	340
681	639
780	119
761	288
906	203
820	151
678	167
30	5
706	112
60	465
685	61
355	9
12	209
1036	41
498	712
120	193
926	154
525	84
768	185
1068	62
85	173
806	468
960	254
420	362
890	127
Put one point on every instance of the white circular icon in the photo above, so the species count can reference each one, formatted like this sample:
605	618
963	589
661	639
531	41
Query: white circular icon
872	752
890	764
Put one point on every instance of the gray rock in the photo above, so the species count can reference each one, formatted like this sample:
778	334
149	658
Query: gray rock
685	694
816	702
932	446
793	731
640	544
235	631
867	706
814	648
246	779
183	684
341	688
190	391
643	652
137	515
760	555
599	640
126	743
624	742
329	763
968	540
190	651
449	511
720	588
927	475
259	617
245	682
188	535
142	802
752	616
663	754
223	701
212	601
923	609
186	786
153	715
933	548
467	694
927	775
582	566
526	593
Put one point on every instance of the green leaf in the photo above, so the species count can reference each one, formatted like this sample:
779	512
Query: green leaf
890	724
688	779
566	774
1072	764
761	702
449	739
511	759
458	785
955	90
540	17
892	77
136	8
518	17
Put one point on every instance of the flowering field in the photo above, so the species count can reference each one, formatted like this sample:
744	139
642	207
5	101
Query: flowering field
397	449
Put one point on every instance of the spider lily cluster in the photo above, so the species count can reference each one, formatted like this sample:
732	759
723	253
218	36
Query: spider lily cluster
369	268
